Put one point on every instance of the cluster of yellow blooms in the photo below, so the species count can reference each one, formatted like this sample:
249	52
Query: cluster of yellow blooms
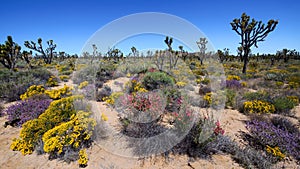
52	81
83	84
33	90
138	87
71	133
32	130
60	126
233	77
59	93
259	107
207	98
112	98
294	99
181	84
83	158
53	94
64	77
276	152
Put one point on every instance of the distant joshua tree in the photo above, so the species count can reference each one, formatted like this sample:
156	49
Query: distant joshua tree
47	54
9	53
202	46
251	32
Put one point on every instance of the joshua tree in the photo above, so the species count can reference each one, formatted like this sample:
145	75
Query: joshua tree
95	53
159	59
172	58
116	54
47	54
9	53
202	46
26	56
183	54
251	32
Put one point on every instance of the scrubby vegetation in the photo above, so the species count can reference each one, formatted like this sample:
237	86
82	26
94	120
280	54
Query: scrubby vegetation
166	92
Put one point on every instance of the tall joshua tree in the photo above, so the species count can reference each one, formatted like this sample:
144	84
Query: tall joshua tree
251	32
9	53
202	46
47	54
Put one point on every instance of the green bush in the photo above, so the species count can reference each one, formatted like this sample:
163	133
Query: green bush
230	98
283	104
155	80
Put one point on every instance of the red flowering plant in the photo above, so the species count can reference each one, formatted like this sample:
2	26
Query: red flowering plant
141	106
184	116
218	130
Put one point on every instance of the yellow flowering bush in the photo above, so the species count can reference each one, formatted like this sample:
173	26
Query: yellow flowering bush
207	98
112	98
294	99
83	158
33	90
275	152
104	117
53	94
279	84
72	133
59	111
52	81
294	85
83	84
59	93
181	84
64	77
244	84
259	107
233	77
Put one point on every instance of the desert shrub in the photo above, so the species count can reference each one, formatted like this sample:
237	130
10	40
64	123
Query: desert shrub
64	78
32	131
232	84
260	95
83	158
83	84
140	106
23	111
104	92
258	107
113	97
52	81
155	80
283	104
53	94
279	84
265	133
276	75
73	134
134	85
85	74
293	85
233	77
247	156
294	99
205	81
284	124
89	91
230	98
215	99
33	90
181	84
13	84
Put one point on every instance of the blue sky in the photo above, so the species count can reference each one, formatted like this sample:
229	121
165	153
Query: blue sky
71	23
